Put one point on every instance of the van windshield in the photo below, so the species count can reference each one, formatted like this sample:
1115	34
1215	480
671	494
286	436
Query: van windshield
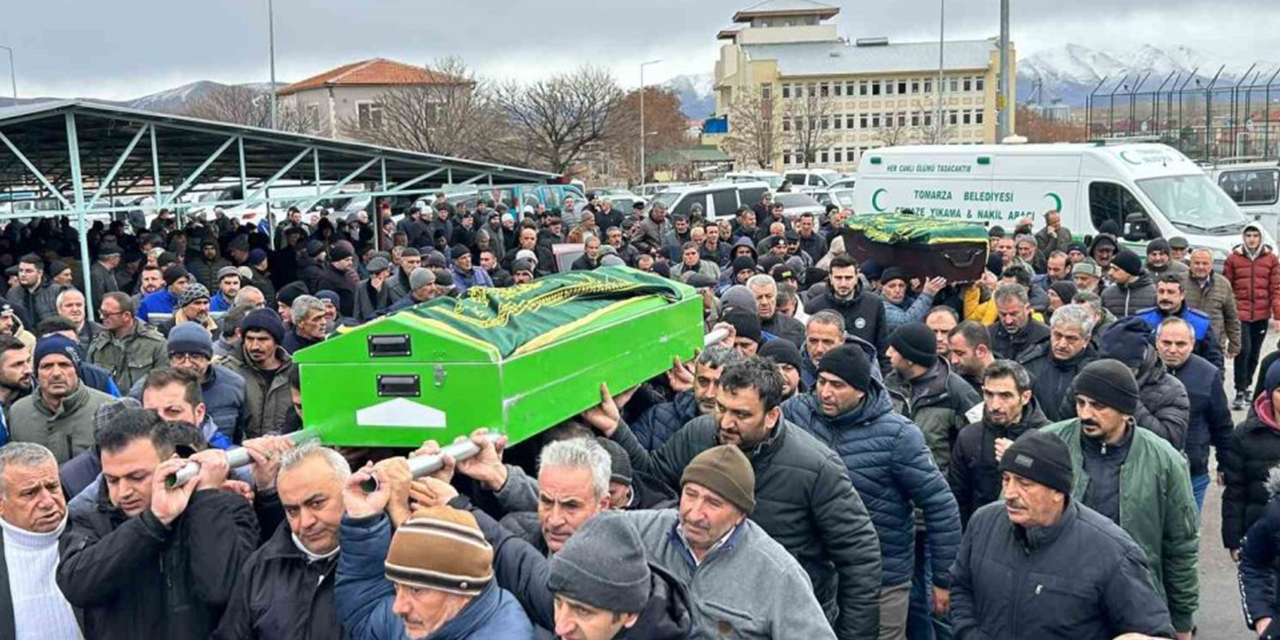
1193	203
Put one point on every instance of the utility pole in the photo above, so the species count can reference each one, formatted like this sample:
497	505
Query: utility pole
942	31
642	131
1006	78
271	43
13	74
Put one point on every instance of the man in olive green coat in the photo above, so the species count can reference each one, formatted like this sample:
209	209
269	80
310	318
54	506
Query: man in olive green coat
1138	480
59	413
127	347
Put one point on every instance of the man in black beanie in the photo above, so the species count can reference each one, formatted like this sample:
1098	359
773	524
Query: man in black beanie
1037	535
746	328
1133	289
1164	407
853	413
937	397
786	355
1136	479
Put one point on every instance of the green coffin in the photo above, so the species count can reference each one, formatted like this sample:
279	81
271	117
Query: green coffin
519	360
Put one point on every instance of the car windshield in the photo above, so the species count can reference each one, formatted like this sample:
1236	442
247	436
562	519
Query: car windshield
791	200
1193	203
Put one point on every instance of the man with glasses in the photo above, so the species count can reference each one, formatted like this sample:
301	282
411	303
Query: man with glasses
191	349
127	347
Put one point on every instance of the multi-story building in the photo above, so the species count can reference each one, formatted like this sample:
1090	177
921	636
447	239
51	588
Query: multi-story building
832	99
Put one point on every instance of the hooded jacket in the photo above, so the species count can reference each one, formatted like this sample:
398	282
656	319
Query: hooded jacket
1254	448
974	474
1157	510
936	402
1051	378
891	467
136	578
1130	297
1258	568
805	501
1080	579
1255	280
863	314
365	597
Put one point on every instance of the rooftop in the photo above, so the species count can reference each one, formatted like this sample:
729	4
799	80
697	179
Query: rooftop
374	72
773	8
838	58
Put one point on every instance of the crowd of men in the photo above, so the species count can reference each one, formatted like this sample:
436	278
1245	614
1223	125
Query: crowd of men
869	453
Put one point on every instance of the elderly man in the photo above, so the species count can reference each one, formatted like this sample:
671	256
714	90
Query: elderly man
309	320
1009	409
823	332
228	287
1053	236
970	352
852	411
71	306
691	261
1210	421
423	283
398	284
783	326
137	550
1016	330
1054	364
432	579
192	308
33	514
1136	479
1211	293
1133	289
696	395
300	557
1171	303
128	348
1027	555
59	415
166	299
804	497
265	367
1087	276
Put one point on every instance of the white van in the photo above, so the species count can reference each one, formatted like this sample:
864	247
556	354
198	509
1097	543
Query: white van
804	179
1255	187
718	200
1145	190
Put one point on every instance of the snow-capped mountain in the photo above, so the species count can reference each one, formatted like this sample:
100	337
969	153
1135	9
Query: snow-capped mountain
1069	73
697	98
176	100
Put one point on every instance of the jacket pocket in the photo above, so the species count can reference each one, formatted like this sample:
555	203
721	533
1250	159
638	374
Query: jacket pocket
1074	603
724	621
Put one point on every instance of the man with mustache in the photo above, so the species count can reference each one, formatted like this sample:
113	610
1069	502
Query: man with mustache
1055	363
1042	565
33	514
1136	479
265	366
59	415
696	395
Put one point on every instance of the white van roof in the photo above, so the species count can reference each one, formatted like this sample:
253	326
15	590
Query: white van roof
1138	161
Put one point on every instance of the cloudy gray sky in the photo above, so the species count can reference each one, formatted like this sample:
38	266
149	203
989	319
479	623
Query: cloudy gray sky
127	48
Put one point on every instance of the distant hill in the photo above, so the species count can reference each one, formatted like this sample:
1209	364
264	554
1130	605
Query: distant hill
697	98
175	100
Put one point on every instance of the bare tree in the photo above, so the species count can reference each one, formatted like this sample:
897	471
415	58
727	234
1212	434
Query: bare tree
452	115
666	127
553	121
895	130
810	118
755	129
249	105
932	130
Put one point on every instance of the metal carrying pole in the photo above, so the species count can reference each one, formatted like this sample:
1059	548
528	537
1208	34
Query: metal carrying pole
235	458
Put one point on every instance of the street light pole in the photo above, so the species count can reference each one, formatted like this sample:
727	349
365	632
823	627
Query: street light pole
642	132
13	74
271	43
942	30
1006	78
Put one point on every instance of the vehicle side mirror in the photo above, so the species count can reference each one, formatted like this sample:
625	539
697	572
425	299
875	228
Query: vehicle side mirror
1137	227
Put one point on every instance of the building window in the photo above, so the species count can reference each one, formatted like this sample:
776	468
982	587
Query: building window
862	88
915	119
313	116
902	87
888	87
825	123
369	115
968	84
786	125
955	85
837	121
978	117
848	88
968	117
849	121
875	87
979	83
862	121
766	92
928	119
902	119
824	157
824	90
915	86
786	91
928	85
875	121
953	117
838	88
813	89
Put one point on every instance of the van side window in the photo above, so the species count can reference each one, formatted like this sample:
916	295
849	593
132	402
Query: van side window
1109	201
686	203
1256	186
724	201
749	197
795	178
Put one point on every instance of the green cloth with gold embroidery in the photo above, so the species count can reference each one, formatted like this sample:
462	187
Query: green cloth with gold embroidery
909	228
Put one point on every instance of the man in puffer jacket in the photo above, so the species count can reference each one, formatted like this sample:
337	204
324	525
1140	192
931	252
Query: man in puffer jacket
1133	289
1253	450
697	396
891	467
1165	407
1254	273
1258	566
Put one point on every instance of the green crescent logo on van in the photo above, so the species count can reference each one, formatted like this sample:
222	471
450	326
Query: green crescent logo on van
1057	200
1124	155
875	200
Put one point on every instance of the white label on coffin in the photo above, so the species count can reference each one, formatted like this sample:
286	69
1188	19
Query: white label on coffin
400	413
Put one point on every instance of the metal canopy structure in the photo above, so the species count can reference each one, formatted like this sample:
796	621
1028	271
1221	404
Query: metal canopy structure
90	158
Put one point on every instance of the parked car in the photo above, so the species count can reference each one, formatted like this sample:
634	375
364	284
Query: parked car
719	200
805	179
773	178
795	204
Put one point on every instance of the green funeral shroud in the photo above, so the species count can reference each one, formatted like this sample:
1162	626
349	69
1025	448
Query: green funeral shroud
909	228
518	360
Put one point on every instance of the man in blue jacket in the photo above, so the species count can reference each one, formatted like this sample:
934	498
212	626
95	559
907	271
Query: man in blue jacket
1171	297
432	579
892	470
166	299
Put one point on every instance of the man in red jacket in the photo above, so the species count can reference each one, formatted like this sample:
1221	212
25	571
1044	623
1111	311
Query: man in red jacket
1254	273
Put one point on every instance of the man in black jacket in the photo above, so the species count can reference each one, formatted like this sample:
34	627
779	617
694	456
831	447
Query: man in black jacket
804	498
1016	331
863	311
298	559
1055	363
1008	410
1211	420
334	278
1041	565
145	560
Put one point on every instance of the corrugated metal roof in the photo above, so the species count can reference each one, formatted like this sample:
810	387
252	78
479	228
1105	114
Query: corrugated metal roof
837	58
785	7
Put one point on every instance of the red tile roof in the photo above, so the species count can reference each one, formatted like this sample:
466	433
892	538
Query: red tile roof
374	72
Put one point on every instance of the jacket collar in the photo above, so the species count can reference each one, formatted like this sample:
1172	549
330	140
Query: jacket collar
70	403
1036	538
473	617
